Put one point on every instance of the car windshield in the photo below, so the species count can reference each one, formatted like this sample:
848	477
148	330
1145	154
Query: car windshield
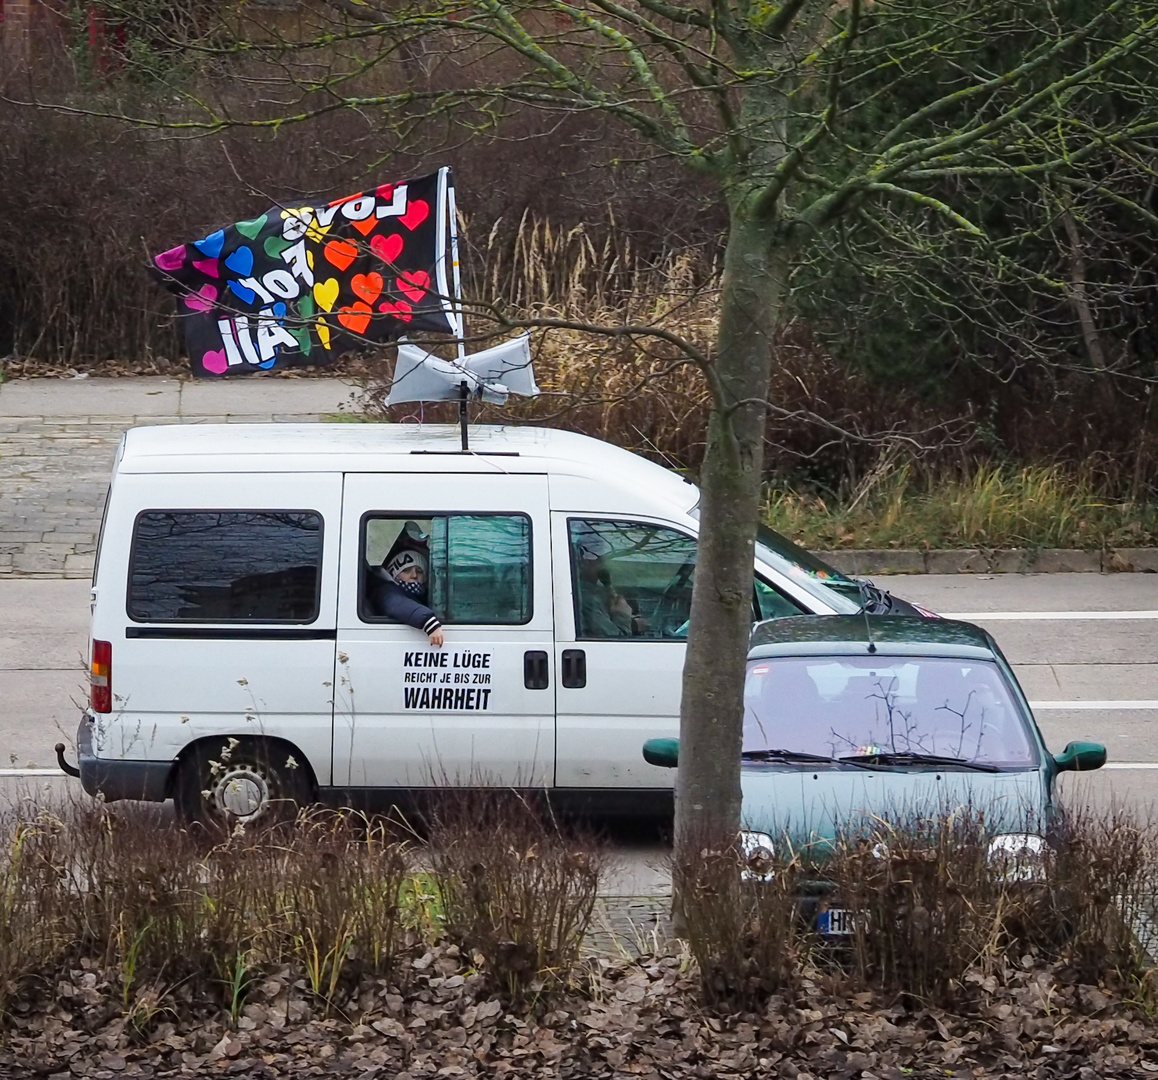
858	706
814	574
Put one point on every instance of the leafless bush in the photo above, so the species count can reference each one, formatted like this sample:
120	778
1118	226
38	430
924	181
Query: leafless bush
744	923
926	902
933	909
131	892
1099	910
515	890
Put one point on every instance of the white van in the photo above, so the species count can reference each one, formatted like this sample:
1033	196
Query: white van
237	658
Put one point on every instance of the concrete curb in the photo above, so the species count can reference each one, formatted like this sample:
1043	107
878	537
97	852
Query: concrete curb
995	561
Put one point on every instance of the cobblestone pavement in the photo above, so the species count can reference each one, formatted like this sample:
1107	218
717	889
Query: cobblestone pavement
54	472
58	438
53	476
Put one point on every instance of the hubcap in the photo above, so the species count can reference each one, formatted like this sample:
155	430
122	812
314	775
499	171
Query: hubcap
241	793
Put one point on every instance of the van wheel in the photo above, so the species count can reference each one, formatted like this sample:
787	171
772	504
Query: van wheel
251	783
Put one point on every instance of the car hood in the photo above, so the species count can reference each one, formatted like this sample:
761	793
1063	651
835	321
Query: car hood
810	806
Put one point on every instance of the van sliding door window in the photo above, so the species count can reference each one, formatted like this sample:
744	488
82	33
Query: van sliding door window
478	566
631	579
225	566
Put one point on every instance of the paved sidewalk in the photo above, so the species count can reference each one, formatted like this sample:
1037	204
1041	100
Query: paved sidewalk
58	436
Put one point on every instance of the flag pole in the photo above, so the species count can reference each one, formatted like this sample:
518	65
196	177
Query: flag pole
455	274
459	319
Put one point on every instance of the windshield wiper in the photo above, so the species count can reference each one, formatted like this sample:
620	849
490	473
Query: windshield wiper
783	755
908	757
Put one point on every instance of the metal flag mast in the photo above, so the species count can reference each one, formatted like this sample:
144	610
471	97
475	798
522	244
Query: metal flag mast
457	320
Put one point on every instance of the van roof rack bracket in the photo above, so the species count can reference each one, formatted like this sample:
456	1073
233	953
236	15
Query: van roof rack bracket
471	453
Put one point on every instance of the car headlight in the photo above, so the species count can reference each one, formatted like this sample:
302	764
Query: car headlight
1018	857
758	852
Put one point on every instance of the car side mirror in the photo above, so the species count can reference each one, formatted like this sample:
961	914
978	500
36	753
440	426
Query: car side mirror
1081	757
662	752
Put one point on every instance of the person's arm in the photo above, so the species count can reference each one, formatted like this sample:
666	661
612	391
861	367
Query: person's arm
392	602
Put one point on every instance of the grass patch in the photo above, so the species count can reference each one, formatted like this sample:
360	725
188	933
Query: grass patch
993	507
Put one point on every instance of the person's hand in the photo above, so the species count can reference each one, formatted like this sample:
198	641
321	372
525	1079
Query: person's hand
618	605
436	638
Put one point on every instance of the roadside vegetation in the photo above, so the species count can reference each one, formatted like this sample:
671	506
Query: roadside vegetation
353	944
990	507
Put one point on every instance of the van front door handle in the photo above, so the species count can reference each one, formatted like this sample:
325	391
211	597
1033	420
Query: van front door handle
574	669
535	671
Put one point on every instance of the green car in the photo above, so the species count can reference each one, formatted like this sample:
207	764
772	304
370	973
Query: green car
858	718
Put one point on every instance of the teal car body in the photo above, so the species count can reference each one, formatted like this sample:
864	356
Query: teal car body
864	722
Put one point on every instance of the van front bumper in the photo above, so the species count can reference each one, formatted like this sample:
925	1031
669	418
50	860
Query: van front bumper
114	779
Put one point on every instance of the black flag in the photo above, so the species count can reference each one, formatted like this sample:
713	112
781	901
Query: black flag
297	285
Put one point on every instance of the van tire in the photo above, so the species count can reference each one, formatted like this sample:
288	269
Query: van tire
254	782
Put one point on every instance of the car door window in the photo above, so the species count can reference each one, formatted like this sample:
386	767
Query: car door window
631	580
478	566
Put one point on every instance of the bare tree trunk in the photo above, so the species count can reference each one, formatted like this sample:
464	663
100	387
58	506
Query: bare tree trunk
711	715
1078	294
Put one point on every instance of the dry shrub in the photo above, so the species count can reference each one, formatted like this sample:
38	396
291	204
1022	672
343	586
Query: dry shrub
928	905
1098	913
515	891
933	913
746	930
131	892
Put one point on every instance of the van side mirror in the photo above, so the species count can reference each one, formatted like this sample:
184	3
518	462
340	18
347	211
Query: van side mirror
1080	757
662	752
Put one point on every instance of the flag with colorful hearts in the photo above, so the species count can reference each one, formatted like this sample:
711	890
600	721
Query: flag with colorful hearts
298	285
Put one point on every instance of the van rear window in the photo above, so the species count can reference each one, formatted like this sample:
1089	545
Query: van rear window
225	566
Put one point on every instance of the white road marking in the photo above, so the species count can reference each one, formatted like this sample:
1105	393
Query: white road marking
1093	706
1031	616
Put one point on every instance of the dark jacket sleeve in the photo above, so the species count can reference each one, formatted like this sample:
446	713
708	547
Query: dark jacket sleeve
389	600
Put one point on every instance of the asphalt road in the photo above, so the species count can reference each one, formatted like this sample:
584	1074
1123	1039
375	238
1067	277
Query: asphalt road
1085	647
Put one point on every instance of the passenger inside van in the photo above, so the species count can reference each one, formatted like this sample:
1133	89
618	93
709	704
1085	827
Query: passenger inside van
401	590
603	612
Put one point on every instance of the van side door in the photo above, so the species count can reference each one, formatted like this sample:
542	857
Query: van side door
479	710
622	604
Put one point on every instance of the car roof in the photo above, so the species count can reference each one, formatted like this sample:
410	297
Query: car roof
897	635
370	440
389	447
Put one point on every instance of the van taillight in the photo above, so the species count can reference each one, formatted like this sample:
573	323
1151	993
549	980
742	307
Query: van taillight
101	677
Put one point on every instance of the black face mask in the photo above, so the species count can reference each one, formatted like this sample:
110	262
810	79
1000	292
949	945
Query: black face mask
415	589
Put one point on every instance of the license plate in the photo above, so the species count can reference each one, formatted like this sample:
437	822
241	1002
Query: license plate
836	922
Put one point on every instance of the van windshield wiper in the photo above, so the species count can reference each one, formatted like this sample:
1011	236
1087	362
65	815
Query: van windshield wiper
783	755
908	757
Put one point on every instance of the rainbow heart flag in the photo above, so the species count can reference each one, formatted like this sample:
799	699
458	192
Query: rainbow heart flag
301	284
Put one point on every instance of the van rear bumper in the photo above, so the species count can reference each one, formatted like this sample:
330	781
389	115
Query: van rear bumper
116	778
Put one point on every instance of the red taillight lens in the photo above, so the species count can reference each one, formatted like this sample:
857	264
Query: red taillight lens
101	677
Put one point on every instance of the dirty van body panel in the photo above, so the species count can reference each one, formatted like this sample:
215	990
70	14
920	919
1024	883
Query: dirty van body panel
480	710
215	632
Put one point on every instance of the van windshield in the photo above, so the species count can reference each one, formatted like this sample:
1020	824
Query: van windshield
815	575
